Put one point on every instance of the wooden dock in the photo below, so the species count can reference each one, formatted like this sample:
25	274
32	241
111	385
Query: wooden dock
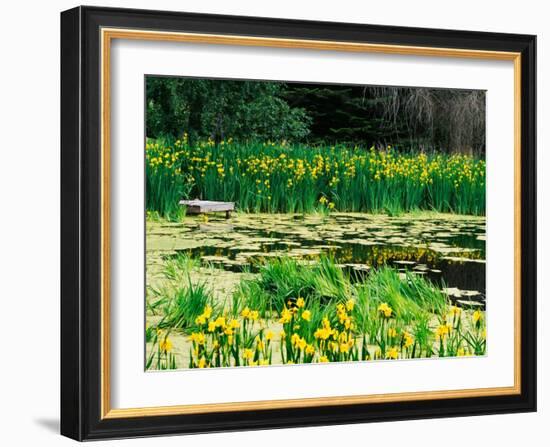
208	206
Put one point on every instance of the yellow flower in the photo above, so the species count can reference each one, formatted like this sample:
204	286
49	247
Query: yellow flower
476	316
295	339
385	310
442	330
392	353
269	335
202	362
254	314
408	340
310	350
322	333
245	312
302	344
306	315
197	337
344	347
286	316
200	320
264	362
234	324
220	322
343	337
350	305
248	354
300	302
455	311
211	326
323	359
166	345
392	332
207	311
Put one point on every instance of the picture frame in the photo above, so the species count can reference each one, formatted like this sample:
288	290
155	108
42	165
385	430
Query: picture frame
87	34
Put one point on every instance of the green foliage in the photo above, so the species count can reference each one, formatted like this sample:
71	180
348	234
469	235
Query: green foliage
165	185
184	304
411	297
270	177
160	357
284	280
325	316
178	267
320	114
340	114
215	109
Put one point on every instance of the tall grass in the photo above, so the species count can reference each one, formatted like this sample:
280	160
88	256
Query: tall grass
411	296
269	177
184	304
165	183
281	282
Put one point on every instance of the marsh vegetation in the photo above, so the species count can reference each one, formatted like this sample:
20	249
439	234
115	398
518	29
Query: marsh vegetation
221	290
339	250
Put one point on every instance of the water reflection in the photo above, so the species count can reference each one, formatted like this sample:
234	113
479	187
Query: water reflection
448	251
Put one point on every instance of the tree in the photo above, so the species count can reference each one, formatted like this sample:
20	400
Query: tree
207	108
450	120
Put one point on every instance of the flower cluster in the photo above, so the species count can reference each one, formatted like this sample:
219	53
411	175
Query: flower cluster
269	177
315	336
229	341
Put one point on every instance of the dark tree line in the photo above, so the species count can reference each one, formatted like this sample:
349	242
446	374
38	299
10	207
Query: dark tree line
448	120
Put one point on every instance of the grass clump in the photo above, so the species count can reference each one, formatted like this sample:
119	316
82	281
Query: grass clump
184	305
284	280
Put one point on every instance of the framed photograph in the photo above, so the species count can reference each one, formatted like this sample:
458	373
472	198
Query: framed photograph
276	223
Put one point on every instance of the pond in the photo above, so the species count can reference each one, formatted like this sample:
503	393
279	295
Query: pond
448	249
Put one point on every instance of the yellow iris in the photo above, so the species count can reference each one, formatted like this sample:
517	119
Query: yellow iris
385	310
166	345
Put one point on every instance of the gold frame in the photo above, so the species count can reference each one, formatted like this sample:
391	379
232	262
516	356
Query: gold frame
107	35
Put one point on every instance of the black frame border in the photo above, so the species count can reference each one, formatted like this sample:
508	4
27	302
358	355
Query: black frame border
81	223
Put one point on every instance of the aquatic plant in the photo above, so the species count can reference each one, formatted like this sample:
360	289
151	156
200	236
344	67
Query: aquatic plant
291	312
165	183
178	267
183	304
285	279
273	177
161	355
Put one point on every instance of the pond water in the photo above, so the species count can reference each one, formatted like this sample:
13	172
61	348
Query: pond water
447	249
